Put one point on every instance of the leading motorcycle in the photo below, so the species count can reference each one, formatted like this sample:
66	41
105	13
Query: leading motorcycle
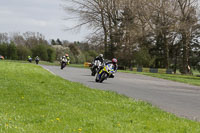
106	72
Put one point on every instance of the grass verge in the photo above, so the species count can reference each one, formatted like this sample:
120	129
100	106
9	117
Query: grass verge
189	79
33	100
55	63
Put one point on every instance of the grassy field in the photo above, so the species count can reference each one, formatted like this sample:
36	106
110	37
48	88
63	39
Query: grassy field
34	101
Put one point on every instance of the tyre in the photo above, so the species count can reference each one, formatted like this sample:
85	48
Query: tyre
97	79
103	77
94	71
63	65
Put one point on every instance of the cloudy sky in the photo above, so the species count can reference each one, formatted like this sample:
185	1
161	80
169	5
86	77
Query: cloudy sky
44	16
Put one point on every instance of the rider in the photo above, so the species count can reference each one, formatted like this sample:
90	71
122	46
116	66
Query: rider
29	58
114	62
66	58
115	66
100	58
37	59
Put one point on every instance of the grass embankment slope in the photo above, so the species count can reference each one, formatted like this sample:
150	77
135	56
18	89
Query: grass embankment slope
33	100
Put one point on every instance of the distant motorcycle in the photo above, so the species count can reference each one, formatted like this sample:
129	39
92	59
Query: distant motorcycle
95	67
30	60
106	72
37	61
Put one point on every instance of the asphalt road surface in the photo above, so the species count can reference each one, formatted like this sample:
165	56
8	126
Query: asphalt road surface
178	98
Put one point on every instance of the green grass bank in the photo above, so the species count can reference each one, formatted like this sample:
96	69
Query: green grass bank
32	100
188	79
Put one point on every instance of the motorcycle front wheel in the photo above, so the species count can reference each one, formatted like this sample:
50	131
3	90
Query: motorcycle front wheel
63	65
103	77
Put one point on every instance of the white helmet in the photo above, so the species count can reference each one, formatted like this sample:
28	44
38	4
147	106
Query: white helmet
101	55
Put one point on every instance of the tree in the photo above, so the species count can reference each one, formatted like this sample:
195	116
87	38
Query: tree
32	39
3	38
3	49
187	20
53	42
163	28
11	51
51	54
18	39
41	51
23	52
143	58
74	49
58	42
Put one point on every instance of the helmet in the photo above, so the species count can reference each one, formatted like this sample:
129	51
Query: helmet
114	60
66	55
101	55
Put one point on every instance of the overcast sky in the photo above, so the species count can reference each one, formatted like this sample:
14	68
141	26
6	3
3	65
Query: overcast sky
44	16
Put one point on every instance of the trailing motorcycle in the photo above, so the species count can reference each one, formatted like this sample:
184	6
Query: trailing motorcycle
37	61
106	72
95	67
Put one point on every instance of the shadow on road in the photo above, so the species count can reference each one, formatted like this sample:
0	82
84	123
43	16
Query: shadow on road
87	75
98	82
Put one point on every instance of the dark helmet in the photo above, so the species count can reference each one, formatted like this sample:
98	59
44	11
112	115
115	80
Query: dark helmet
114	61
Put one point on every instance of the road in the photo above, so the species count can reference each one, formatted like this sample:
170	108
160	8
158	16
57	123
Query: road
181	99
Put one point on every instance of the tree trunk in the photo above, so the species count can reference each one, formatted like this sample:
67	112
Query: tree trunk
185	54
111	52
175	62
105	32
166	52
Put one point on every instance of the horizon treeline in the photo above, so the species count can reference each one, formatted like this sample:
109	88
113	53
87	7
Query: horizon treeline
17	46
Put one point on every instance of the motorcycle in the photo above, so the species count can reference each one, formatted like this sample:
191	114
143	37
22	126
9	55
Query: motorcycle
106	72
37	61
30	60
63	63
95	67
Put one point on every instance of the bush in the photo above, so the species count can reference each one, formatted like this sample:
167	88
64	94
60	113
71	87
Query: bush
3	49
23	52
90	55
51	54
12	51
41	51
143	58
